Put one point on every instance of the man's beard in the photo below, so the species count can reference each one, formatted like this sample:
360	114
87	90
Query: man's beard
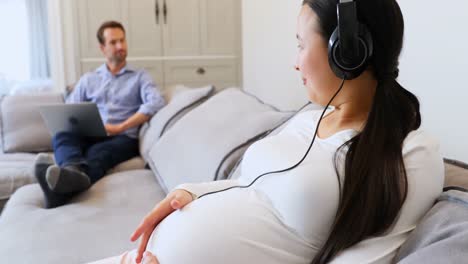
117	58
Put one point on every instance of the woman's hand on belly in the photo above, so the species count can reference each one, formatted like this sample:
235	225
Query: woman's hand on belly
175	200
149	258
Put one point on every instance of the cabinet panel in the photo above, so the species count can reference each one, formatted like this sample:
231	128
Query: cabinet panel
143	27
181	30
155	69
200	71
91	14
219	25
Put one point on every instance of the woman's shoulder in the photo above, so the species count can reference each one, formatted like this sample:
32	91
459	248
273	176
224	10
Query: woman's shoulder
422	157
420	140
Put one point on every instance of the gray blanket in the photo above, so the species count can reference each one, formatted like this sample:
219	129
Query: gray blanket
442	236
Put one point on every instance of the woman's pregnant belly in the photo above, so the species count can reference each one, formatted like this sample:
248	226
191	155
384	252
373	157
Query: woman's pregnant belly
236	226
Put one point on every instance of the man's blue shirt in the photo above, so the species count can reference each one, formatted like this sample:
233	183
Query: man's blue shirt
119	97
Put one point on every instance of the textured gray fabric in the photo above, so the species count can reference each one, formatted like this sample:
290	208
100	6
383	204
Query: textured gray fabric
442	236
2	204
95	225
180	104
1	122
199	144
456	174
15	171
23	129
136	163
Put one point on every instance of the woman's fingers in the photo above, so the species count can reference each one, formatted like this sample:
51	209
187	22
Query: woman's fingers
150	221
137	233
174	201
181	199
142	246
144	225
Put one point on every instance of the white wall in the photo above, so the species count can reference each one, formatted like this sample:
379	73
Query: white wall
14	47
269	52
434	63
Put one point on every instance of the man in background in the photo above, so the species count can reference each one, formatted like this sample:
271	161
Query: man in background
126	98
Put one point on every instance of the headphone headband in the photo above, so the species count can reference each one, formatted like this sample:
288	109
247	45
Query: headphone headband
350	46
348	31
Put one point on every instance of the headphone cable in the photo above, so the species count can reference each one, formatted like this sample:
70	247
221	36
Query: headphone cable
295	165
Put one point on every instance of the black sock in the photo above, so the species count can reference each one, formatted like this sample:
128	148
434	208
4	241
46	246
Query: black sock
52	200
67	179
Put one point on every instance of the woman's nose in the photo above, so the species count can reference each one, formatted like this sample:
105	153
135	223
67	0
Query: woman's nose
296	67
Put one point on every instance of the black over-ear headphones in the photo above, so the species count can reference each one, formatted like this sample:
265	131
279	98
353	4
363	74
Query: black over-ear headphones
350	46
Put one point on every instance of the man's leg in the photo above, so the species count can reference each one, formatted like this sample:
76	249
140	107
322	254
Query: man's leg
68	176
103	156
68	148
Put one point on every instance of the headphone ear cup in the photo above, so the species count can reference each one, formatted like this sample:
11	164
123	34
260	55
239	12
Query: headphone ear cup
350	70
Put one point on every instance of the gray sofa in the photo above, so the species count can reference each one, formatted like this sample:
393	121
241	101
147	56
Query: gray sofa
199	136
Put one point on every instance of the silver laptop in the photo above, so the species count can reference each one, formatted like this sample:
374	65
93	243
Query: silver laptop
81	118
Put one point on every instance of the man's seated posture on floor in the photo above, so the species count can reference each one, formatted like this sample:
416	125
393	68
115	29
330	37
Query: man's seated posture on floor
125	97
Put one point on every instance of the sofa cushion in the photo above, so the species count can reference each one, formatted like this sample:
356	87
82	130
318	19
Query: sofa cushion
23	129
205	144
1	127
95	225
183	100
135	163
442	235
456	174
15	171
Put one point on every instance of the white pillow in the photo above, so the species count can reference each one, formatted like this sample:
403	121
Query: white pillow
205	144
181	103
23	129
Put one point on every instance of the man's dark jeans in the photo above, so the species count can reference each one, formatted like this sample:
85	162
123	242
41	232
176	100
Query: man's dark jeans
94	155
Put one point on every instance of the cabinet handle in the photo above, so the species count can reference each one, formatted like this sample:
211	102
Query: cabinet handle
156	11
165	12
201	71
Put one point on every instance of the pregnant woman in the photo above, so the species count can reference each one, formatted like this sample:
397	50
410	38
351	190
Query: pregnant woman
360	175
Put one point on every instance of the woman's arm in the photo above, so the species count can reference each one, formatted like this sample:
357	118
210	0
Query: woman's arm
198	189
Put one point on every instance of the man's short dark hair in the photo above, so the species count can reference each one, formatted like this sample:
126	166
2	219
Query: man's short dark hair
107	24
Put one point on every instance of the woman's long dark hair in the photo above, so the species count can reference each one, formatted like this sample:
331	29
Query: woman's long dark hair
375	183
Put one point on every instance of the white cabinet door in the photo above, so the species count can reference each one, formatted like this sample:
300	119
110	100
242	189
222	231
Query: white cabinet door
143	23
153	67
91	14
178	41
220	22
181	29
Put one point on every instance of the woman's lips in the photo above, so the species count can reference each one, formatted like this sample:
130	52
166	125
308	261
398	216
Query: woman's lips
304	80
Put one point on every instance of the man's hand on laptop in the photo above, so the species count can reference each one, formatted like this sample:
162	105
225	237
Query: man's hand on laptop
114	129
